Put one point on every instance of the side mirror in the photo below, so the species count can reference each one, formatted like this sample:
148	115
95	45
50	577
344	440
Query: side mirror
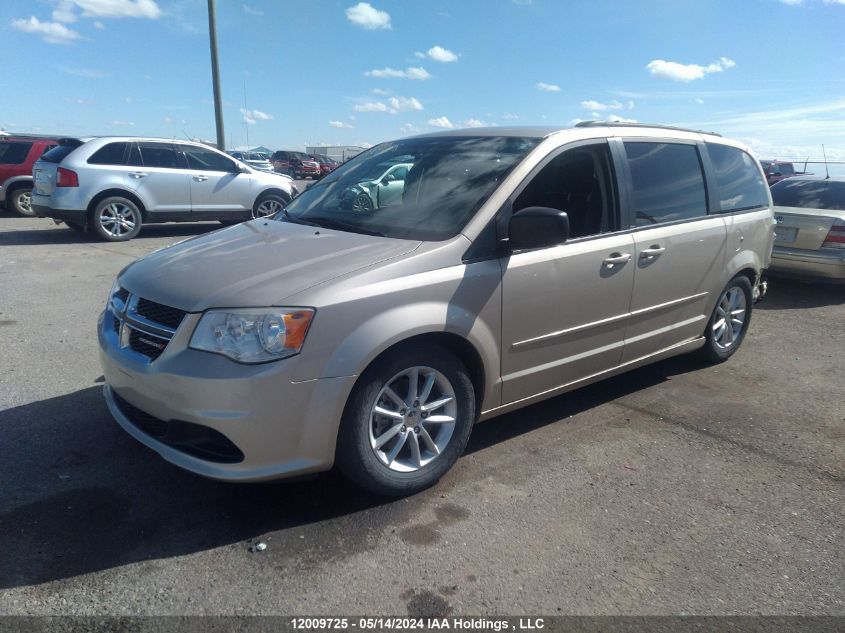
538	227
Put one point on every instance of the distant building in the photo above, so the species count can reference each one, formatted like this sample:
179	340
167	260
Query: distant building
339	153
245	148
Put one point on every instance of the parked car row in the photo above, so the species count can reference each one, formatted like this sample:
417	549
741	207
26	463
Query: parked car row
300	165
17	156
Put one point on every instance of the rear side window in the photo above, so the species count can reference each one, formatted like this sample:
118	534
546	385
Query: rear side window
47	148
205	159
111	154
58	153
667	182
741	186
810	194
160	155
14	152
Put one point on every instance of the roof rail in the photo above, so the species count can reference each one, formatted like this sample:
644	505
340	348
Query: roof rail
7	134
645	125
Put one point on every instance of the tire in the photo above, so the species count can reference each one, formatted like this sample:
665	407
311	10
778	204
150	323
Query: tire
76	227
388	455
268	204
116	219
362	203
721	341
20	201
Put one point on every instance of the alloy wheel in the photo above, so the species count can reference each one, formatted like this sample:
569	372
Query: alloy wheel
271	206
731	314
413	419
117	219
24	201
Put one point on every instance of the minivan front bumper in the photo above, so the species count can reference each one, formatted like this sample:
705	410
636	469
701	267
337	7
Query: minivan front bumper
218	418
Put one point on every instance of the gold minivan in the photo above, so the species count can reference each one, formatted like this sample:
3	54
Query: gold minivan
510	266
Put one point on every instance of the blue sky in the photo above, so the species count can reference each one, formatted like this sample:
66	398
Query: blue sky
769	72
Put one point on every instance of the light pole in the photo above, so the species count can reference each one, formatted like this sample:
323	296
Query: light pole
215	75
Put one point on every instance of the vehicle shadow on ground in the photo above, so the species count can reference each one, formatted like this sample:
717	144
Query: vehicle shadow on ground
789	294
80	496
60	234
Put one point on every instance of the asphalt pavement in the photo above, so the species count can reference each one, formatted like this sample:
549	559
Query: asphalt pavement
677	488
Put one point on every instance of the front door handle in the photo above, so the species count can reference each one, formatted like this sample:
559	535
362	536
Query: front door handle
200	178
138	175
652	252
617	258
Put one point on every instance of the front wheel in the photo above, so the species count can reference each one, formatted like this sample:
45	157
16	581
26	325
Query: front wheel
729	322
362	203
407	421
268	204
116	219
21	199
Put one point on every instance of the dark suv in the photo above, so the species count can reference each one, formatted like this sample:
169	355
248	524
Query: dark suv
296	164
17	155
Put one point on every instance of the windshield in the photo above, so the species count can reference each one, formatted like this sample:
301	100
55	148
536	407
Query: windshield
418	188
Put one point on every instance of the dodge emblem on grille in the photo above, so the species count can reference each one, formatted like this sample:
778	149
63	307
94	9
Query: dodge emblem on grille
156	344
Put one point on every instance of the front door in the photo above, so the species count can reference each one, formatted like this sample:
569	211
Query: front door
564	307
392	185
219	191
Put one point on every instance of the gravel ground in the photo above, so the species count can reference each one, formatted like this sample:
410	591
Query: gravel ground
677	488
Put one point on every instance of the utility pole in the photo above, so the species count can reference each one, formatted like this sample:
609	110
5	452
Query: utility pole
215	75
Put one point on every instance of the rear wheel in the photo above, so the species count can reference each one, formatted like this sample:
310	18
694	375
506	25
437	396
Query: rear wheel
407	421
729	322
21	201
116	219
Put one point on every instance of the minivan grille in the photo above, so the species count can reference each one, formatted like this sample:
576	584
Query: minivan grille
144	326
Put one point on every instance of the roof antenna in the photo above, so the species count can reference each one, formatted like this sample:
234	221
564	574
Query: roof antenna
826	172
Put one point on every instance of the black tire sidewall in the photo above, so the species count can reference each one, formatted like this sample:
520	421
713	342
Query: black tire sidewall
262	198
98	229
710	350
355	457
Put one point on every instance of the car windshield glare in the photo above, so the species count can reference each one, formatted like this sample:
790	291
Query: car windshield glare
437	185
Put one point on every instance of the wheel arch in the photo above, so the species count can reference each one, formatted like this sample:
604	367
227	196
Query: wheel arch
287	195
16	182
117	192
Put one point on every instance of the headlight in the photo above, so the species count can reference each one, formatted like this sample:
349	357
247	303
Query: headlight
253	335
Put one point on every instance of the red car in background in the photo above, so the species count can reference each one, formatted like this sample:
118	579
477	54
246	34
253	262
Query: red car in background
17	155
298	165
327	165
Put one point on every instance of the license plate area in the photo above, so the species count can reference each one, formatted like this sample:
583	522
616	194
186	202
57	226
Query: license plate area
785	234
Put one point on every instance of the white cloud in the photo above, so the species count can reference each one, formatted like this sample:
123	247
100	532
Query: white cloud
699	101
51	32
441	122
252	10
119	8
404	104
615	118
118	122
409	128
474	123
601	107
88	73
168	119
414	72
340	125
442	55
380	91
64	12
251	117
510	116
393	105
368	17
79	100
791	2
370	106
543	86
99	25
687	72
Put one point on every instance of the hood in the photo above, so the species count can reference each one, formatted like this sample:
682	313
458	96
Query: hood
256	263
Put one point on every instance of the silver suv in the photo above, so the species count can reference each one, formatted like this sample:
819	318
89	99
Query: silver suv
113	185
516	265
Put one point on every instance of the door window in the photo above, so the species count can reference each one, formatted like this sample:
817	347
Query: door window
740	184
578	181
667	182
160	155
13	152
205	159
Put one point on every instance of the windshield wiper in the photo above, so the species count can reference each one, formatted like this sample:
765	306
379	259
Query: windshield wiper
331	223
289	218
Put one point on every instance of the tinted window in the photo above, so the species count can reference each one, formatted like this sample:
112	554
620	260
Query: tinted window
159	155
740	184
14	152
810	194
400	172
577	182
785	169
47	148
204	159
134	156
58	153
111	154
667	182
